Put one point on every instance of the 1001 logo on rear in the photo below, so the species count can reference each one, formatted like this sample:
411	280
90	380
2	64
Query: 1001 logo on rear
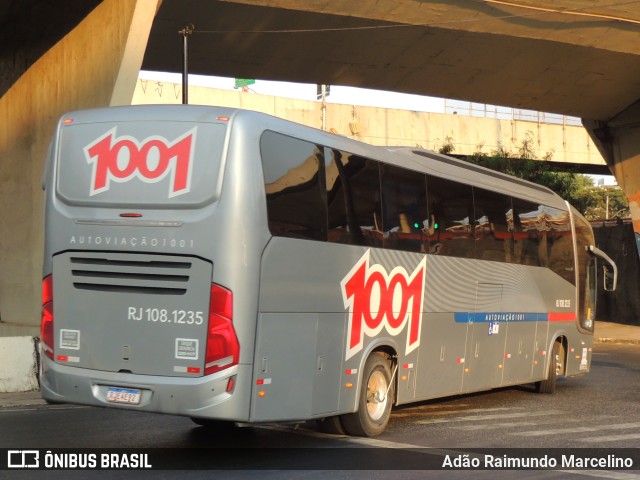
120	159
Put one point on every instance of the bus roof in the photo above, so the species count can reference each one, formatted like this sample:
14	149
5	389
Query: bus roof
417	159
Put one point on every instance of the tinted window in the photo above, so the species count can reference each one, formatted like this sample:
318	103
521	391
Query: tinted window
294	187
586	274
404	208
317	193
560	243
354	201
493	226
450	218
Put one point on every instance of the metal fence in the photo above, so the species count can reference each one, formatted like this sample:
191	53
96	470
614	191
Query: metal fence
483	110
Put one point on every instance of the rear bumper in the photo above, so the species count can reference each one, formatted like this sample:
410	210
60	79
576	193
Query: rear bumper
204	397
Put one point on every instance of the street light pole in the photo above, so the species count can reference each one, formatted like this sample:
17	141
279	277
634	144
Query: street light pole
185	32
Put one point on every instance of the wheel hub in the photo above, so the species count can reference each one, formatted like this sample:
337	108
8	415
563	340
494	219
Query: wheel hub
377	395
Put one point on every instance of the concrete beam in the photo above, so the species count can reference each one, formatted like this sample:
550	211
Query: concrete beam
619	143
544	56
92	66
28	28
136	43
567	144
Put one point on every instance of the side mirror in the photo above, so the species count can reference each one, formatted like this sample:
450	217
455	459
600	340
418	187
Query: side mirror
610	269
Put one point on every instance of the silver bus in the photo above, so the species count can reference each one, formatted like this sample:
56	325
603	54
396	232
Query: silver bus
233	267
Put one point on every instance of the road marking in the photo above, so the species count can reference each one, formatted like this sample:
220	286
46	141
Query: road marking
603	474
436	406
612	438
369	442
500	416
491	426
452	412
555	431
39	408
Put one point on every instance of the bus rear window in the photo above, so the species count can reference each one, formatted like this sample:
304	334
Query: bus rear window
294	187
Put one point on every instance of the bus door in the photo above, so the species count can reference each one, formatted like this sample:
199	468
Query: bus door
299	347
519	349
440	357
540	350
484	359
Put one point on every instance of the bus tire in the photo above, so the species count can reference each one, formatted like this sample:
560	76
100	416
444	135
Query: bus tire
374	403
331	425
555	369
210	423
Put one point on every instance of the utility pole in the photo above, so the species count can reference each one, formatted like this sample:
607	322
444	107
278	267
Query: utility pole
323	92
185	32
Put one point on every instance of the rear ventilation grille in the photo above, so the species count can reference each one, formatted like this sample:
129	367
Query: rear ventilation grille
103	274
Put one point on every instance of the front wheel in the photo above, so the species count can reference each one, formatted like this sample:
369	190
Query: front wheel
376	398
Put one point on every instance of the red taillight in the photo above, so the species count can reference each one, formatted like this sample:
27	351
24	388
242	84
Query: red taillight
46	324
223	350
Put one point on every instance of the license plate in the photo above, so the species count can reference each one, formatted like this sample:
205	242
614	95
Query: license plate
123	395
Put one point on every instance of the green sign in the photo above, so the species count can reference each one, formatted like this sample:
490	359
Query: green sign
244	82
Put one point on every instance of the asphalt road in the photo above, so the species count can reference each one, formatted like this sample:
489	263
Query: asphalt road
599	410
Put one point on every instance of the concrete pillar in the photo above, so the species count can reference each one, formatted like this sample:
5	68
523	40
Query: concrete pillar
619	143
96	64
142	17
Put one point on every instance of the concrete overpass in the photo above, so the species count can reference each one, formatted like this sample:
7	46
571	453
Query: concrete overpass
575	58
568	145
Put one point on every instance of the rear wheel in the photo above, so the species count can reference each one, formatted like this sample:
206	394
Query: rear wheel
376	398
209	423
556	367
331	425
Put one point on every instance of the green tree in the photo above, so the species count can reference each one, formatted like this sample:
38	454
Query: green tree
599	203
595	203
447	147
522	164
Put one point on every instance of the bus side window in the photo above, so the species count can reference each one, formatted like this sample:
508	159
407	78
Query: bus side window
294	186
560	243
354	200
451	213
404	208
493	225
587	287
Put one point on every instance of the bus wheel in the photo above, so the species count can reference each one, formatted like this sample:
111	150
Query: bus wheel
555	369
330	425
209	423
376	398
